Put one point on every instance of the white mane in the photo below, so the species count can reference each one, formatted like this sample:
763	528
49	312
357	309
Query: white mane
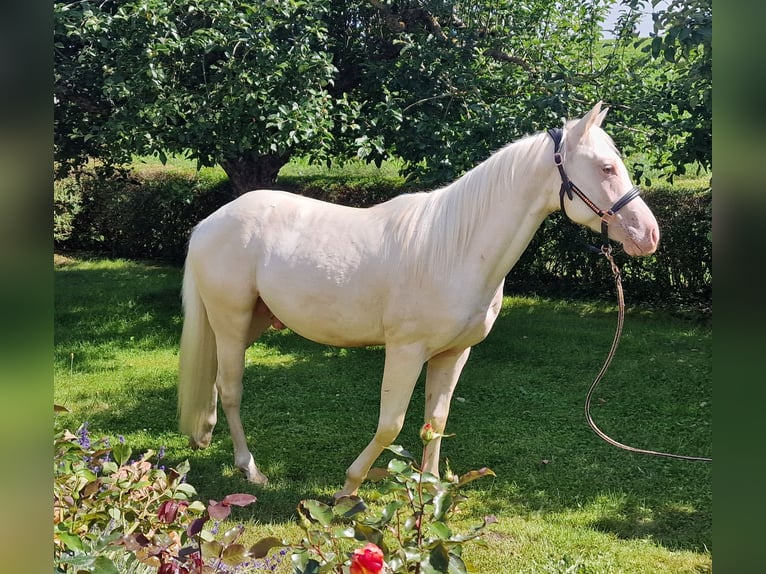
434	229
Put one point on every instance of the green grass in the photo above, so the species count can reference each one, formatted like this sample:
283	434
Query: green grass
309	410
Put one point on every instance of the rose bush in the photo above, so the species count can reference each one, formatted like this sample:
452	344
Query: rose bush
411	533
114	513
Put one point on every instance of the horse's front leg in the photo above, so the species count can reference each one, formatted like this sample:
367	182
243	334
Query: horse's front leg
441	380
402	367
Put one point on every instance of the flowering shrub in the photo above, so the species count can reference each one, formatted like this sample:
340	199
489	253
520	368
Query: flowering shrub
110	510
411	534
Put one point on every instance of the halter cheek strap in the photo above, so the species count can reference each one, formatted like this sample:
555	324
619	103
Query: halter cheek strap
570	190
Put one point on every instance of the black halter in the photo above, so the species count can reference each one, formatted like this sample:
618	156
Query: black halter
569	188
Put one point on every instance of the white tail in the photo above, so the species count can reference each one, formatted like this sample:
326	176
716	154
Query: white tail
197	394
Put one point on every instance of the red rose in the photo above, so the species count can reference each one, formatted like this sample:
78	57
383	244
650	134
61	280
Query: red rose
367	560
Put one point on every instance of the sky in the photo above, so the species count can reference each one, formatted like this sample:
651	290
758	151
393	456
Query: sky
645	26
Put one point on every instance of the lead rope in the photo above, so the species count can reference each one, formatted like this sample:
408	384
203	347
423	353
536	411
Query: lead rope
607	252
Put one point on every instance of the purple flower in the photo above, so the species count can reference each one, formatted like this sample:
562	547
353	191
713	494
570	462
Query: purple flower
84	435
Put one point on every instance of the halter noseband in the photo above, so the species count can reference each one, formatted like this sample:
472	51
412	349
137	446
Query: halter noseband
569	188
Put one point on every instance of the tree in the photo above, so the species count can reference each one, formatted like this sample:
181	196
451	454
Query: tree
443	84
665	84
242	84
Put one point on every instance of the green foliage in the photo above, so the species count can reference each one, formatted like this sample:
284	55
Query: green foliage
436	83
412	530
663	85
147	215
150	213
445	84
100	497
110	510
679	275
67	204
237	83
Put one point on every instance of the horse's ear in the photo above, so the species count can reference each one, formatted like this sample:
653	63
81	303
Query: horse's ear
601	116
592	118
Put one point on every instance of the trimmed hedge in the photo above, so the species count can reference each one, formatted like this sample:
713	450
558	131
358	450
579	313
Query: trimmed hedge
149	215
679	274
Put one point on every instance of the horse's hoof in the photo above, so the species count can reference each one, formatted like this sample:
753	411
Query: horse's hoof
256	476
343	493
200	443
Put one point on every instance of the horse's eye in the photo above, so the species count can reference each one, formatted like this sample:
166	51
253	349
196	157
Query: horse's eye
608	169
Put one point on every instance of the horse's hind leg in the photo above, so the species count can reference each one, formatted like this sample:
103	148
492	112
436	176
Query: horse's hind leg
234	334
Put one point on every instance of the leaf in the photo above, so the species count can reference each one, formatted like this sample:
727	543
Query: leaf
104	565
71	541
218	510
368	533
121	453
231	535
456	565
239	499
474	474
440	530
438	559
397	467
348	506
261	548
442	503
234	555
196	526
319	511
390	511
187	489
347	532
60	409
183	468
212	549
400	451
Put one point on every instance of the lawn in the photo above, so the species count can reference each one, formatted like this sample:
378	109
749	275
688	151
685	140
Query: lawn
565	500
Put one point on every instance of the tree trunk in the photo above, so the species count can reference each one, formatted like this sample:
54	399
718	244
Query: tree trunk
253	171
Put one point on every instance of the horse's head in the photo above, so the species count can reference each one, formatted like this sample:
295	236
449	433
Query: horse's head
591	162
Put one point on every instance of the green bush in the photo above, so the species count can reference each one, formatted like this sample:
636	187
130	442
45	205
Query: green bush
114	512
680	274
140	216
67	203
410	534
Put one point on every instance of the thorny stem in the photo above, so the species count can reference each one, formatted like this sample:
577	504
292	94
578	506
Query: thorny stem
419	521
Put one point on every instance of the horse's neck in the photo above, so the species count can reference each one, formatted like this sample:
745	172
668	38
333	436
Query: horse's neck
509	199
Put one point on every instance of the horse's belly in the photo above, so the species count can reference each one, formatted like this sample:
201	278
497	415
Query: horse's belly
330	322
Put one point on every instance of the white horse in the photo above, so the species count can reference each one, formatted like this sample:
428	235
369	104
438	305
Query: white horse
421	274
